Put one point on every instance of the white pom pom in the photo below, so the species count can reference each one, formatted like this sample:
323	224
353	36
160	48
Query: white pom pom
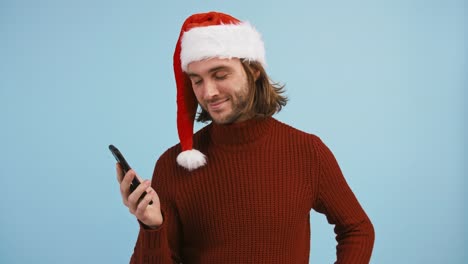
191	159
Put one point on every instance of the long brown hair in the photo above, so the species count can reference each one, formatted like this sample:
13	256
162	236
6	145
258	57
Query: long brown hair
265	96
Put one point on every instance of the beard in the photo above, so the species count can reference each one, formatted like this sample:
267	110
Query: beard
237	111
239	105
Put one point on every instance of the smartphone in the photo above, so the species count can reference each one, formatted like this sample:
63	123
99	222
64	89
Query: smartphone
120	159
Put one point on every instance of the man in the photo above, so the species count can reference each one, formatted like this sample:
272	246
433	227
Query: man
245	193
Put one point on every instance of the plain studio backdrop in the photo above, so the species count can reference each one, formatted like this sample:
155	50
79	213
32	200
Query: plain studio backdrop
383	83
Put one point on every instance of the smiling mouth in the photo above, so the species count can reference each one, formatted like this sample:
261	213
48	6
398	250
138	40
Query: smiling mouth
217	105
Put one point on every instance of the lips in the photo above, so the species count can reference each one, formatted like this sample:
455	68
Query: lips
217	105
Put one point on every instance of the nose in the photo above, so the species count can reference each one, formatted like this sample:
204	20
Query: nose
210	90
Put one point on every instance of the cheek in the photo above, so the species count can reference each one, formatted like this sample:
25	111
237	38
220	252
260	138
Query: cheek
197	94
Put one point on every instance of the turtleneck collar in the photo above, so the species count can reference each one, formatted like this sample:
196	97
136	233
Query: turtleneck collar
240	133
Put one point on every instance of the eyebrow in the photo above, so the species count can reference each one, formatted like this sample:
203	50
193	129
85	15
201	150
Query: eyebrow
214	69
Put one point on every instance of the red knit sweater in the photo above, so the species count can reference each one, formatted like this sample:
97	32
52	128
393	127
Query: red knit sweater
251	202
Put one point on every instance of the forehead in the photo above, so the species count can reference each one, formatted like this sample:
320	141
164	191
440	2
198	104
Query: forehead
205	66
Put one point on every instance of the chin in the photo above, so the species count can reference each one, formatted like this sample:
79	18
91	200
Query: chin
226	120
221	121
225	117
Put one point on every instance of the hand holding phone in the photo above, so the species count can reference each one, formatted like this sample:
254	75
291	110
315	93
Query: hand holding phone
120	159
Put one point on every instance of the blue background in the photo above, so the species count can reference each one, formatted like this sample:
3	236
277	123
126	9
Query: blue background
383	83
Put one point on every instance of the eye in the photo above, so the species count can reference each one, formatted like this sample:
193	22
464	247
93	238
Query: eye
196	81
221	75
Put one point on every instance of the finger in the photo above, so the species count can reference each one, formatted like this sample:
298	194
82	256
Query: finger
125	186
144	203
134	197
127	179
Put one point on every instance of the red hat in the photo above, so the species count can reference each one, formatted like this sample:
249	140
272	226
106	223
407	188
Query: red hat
204	36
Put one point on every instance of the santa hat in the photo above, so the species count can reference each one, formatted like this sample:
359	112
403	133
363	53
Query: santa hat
204	36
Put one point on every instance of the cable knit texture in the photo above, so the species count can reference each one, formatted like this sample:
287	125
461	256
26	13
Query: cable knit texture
251	202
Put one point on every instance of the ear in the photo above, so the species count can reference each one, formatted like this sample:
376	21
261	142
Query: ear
256	74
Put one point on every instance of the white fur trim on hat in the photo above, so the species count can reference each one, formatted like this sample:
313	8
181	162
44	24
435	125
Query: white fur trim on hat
222	41
191	159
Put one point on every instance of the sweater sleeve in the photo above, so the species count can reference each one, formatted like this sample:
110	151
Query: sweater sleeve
161	245
154	246
354	230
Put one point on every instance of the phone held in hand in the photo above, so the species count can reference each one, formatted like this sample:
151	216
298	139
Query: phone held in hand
120	159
